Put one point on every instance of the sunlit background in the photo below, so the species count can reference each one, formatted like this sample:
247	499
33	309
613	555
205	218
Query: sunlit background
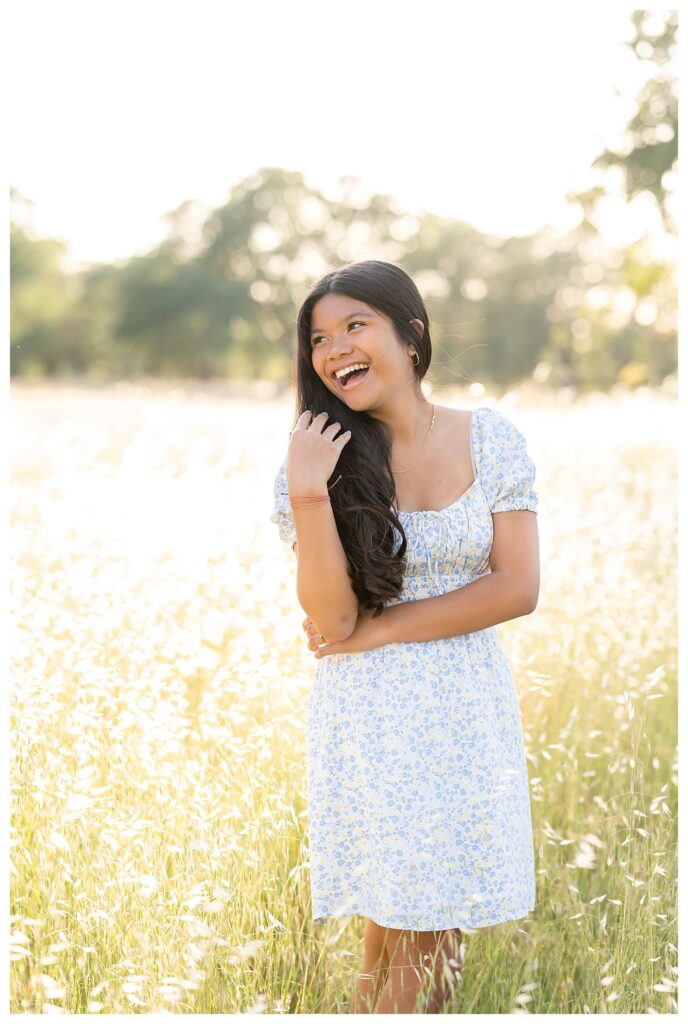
181	174
486	116
178	182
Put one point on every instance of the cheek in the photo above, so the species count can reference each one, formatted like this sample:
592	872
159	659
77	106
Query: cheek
381	360
318	364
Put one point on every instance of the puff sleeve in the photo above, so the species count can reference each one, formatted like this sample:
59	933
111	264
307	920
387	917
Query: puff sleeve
281	514
507	472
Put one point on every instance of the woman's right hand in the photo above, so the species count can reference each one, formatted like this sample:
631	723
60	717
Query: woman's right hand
313	453
315	637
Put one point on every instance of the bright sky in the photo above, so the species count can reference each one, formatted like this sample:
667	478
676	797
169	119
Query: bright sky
122	110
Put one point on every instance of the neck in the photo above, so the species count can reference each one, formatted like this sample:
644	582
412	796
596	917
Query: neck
409	421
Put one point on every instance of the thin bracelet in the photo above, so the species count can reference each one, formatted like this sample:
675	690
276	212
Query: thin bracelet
329	488
308	501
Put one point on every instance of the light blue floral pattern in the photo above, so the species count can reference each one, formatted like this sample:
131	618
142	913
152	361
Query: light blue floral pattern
419	806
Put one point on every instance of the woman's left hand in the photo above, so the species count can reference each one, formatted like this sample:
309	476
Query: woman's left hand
366	636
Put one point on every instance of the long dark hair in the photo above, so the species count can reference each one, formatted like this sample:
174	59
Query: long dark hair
362	499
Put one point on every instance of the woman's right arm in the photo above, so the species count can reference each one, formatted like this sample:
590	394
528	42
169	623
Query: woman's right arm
323	586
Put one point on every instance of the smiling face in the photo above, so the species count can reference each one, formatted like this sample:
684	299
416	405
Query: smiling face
347	331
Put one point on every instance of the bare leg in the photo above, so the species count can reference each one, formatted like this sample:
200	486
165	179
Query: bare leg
373	969
422	971
446	971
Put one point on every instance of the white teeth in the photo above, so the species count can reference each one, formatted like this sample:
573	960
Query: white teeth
348	369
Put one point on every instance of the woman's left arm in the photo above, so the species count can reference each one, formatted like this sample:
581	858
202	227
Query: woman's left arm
510	590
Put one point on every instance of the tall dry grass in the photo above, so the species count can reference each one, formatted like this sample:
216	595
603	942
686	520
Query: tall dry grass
159	837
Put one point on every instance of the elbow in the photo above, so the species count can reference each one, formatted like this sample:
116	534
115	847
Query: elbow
525	596
333	636
335	629
530	591
522	589
344	630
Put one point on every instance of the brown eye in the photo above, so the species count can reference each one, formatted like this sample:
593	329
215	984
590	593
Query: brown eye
319	336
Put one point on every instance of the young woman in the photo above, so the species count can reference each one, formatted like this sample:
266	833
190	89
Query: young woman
415	531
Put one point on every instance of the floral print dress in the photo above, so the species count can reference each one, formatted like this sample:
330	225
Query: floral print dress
419	806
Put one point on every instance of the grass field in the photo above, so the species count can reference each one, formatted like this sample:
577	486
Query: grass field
159	843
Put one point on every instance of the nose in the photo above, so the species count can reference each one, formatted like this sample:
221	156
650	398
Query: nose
340	349
340	342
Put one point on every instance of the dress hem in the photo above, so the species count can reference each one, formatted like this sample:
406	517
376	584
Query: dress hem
458	920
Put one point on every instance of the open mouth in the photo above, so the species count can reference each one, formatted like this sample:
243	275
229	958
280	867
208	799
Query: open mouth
350	380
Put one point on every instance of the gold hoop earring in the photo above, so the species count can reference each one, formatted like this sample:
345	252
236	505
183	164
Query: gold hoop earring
417	358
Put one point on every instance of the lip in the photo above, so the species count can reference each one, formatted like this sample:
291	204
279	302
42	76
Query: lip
345	365
354	383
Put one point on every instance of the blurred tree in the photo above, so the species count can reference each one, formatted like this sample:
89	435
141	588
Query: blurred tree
650	154
42	294
218	297
620	325
173	318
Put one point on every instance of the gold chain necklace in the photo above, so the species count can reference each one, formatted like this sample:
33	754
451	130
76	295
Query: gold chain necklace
397	472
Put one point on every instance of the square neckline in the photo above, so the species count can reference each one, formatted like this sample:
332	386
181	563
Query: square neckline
438	511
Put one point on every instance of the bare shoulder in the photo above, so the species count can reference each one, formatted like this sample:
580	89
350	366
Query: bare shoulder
454	421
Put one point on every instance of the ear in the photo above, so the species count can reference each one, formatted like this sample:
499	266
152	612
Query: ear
418	325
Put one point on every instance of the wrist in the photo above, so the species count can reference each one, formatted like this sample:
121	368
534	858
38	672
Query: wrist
385	626
312	501
308	490
306	485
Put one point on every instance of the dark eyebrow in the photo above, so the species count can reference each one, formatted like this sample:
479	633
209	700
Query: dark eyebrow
358	312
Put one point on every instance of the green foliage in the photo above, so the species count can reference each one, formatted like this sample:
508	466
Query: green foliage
501	311
42	297
652	133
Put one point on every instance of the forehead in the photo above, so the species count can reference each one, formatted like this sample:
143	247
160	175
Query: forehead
332	308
